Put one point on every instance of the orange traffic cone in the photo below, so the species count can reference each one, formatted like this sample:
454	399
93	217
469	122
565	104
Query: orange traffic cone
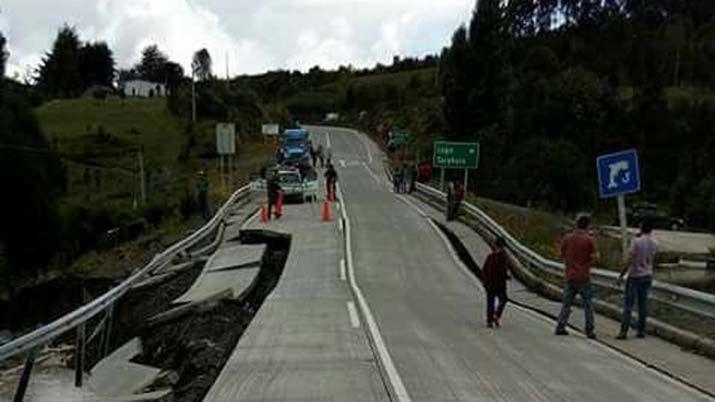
326	211
264	214
279	205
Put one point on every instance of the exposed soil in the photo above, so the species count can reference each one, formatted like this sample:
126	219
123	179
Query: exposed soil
196	347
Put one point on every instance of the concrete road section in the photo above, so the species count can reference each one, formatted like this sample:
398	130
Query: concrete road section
430	314
306	342
653	351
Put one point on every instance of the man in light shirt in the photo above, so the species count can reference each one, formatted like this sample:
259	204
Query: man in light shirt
639	265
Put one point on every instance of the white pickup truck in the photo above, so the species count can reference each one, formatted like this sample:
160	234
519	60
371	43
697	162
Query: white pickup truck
293	184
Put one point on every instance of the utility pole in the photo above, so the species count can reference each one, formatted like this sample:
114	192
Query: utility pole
193	95
142	177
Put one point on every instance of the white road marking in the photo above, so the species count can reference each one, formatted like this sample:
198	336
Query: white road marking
340	223
354	320
327	140
366	142
374	176
398	387
342	269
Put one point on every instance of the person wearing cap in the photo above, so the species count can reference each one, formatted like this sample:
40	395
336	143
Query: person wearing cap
202	189
579	251
639	266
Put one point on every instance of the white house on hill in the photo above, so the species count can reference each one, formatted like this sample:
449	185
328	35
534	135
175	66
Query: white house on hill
143	89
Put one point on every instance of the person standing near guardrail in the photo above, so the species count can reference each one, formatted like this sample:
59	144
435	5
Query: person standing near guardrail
202	190
639	265
494	277
579	251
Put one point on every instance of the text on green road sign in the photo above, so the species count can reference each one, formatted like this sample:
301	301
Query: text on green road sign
456	155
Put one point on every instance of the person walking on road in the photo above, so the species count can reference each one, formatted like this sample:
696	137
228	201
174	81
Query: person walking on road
313	155
579	251
397	179
329	156
273	190
320	156
639	265
331	177
494	277
202	190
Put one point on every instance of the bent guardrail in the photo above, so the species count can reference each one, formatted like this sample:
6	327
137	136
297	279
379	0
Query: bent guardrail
77	319
700	303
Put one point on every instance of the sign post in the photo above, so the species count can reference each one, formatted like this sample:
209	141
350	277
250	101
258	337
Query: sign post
618	175
270	130
456	155
225	146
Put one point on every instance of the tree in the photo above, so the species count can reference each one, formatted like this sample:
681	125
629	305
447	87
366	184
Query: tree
455	80
201	65
96	64
3	56
152	66
33	179
59	73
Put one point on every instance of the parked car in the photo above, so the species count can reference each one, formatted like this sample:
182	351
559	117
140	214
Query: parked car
645	211
295	185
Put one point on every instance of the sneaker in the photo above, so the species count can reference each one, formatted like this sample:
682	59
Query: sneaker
622	336
496	322
561	332
640	335
592	335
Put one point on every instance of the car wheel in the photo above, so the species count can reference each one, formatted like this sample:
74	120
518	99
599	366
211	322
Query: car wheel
674	227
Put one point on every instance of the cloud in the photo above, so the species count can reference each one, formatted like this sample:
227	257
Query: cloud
255	35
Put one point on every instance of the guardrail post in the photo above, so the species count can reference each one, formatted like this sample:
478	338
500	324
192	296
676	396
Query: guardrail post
25	377
107	330
79	355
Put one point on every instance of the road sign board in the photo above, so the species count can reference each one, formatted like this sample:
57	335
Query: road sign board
618	173
270	129
225	138
456	155
401	137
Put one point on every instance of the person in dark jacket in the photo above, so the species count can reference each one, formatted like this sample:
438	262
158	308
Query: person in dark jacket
273	188
494	277
331	177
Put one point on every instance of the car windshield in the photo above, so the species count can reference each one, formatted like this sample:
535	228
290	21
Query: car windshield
289	178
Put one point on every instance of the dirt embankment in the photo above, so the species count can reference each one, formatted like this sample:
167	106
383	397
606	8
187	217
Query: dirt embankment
195	347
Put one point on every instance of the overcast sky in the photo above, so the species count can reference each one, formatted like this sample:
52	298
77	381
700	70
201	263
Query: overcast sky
257	35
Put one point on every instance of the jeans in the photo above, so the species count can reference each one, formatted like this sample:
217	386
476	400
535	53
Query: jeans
570	291
491	298
636	288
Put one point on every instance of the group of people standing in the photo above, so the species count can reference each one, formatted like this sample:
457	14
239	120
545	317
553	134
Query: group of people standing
579	251
320	154
403	179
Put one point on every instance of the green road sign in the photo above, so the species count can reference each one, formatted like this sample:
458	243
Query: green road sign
401	137
456	155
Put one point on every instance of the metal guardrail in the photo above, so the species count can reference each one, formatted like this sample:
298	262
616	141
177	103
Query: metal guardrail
699	303
105	303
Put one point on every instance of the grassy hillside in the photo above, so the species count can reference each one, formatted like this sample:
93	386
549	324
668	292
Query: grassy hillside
130	122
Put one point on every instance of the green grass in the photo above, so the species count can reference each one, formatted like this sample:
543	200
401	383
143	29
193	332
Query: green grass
131	122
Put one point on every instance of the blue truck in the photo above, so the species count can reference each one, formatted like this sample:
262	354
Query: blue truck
295	148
